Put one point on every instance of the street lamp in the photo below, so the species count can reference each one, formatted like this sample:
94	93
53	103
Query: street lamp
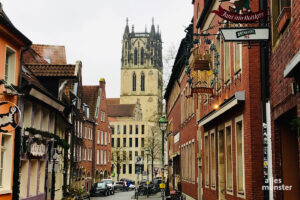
147	151
163	123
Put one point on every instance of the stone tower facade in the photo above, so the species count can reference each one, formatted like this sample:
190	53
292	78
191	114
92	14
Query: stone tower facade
141	71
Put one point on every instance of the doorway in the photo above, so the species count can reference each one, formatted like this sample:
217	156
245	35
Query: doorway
221	165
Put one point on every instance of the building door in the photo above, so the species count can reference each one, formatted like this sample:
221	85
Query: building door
221	165
290	161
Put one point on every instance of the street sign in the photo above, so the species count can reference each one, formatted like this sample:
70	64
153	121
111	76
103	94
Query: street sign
162	186
148	182
245	34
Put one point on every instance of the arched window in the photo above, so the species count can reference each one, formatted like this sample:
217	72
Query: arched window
135	56
142	56
133	82
143	82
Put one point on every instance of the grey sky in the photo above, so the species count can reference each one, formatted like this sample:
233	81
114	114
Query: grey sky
92	30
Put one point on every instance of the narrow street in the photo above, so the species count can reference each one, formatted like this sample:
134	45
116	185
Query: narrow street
118	195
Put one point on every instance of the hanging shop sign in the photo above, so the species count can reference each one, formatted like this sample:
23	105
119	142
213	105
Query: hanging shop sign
37	149
201	65
9	116
202	90
245	34
234	16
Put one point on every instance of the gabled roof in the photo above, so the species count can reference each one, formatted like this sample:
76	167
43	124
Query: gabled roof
55	54
89	96
5	21
30	56
121	110
49	70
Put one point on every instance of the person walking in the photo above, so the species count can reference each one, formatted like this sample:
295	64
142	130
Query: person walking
124	185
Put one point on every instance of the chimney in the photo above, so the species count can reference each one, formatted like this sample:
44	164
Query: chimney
102	82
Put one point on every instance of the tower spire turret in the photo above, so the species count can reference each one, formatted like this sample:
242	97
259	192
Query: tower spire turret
126	31
152	27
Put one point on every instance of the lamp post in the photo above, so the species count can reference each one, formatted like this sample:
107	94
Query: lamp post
163	123
147	151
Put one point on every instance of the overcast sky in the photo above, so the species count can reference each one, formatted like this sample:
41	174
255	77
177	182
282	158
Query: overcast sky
92	30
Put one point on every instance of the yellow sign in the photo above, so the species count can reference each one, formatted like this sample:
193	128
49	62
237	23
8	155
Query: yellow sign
162	186
148	182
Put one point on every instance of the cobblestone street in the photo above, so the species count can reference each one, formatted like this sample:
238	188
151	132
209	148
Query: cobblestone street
126	195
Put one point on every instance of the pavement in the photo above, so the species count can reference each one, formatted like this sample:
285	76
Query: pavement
119	195
156	196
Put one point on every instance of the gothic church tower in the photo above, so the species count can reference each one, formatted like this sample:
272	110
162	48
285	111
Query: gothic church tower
141	71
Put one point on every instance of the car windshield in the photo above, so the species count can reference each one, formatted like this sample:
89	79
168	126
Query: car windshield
101	185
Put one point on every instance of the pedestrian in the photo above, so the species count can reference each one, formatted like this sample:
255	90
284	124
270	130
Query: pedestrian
124	185
128	184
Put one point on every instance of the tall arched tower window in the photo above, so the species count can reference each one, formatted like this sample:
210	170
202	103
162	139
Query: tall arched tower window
142	82
142	56
134	82
135	56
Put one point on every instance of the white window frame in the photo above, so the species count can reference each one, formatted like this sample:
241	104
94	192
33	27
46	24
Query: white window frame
104	157
237	120
97	156
11	76
212	132
101	157
101	137
105	138
206	166
228	190
98	136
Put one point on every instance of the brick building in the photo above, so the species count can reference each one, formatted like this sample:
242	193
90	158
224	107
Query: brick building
230	119
182	128
285	96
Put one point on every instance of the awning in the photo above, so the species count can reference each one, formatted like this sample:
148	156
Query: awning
293	66
225	106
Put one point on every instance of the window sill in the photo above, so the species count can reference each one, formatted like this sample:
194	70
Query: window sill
283	19
5	191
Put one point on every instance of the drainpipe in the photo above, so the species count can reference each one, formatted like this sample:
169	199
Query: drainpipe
266	112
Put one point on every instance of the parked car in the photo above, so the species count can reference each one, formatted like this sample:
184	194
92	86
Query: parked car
99	189
142	189
156	183
118	185
110	185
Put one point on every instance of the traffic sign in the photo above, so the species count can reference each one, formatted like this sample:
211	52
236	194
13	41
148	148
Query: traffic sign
162	186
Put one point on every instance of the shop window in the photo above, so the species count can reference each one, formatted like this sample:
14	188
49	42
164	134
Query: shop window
10	66
206	154
237	57
229	174
226	62
5	162
213	159
240	157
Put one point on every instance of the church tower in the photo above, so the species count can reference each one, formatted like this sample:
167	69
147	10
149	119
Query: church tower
141	70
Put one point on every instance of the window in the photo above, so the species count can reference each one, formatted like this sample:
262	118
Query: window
84	154
130	129
113	129
112	142
101	157
124	168
237	57
135	56
10	66
124	129
143	129
130	155
136	154
143	82
136	142
226	62
101	137
136	129
5	162
98	136
124	142
143	142
118	145
142	56
85	132
282	4
130	142
130	168
240	156
213	159
98	157
119	129
206	154
105	138
229	182
124	155
133	82
142	154
104	157
79	153
108	138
